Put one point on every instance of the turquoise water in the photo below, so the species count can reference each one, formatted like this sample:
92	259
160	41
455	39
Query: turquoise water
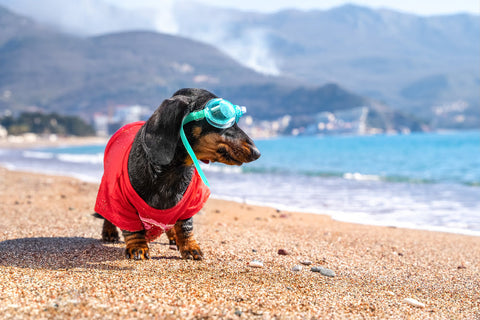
429	158
428	181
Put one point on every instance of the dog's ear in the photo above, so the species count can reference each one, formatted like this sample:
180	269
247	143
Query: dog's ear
161	132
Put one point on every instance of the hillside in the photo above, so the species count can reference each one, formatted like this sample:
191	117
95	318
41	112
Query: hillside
53	71
412	63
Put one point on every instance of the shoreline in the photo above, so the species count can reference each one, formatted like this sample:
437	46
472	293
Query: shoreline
43	142
53	264
335	215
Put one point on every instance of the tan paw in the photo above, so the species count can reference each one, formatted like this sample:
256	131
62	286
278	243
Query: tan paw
191	250
137	252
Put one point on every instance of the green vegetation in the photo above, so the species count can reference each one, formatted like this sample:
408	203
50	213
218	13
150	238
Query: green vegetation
51	123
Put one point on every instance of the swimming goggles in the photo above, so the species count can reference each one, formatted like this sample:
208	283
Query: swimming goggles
219	113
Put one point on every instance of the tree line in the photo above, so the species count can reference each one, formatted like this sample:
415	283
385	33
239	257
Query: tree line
43	123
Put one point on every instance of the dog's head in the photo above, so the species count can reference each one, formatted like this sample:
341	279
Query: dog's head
161	136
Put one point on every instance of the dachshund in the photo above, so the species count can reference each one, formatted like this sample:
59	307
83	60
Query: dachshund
149	175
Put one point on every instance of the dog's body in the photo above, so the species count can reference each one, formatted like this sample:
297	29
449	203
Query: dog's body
160	169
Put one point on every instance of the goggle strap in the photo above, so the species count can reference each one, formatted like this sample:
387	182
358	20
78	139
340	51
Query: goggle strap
192	154
194	116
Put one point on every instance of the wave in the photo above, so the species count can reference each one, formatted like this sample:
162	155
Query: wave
96	158
81	158
38	155
357	176
64	157
221	168
361	177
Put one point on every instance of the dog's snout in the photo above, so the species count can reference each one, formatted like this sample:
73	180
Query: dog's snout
255	153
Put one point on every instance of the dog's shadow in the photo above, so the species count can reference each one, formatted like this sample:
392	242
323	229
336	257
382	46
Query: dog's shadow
59	253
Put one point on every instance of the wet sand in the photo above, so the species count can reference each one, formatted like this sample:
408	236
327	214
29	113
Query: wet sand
53	264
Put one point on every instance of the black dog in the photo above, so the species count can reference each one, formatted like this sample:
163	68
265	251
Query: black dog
161	171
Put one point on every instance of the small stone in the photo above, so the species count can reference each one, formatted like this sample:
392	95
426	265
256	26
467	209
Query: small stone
306	262
297	268
324	271
414	302
238	312
283	252
256	264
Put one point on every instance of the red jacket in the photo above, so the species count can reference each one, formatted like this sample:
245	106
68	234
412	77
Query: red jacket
118	202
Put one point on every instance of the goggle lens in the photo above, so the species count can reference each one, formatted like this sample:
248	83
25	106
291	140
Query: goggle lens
220	113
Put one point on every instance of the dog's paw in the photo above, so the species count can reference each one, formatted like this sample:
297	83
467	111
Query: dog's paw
110	236
137	252
191	250
109	232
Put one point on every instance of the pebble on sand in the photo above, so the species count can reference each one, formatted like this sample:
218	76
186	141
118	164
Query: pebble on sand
297	268
414	302
324	271
306	262
256	264
283	252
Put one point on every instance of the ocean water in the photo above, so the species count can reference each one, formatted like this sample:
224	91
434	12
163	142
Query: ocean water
426	181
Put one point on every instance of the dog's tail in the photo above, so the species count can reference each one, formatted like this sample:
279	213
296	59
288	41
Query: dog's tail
97	215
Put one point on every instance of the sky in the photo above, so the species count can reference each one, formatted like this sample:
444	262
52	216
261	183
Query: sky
420	7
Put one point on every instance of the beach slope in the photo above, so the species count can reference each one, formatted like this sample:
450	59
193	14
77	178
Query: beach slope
54	265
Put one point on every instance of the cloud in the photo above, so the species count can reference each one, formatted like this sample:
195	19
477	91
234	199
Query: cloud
90	17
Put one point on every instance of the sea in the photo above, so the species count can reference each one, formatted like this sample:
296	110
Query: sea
428	181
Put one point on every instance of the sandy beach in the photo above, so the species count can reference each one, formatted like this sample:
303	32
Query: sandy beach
53	264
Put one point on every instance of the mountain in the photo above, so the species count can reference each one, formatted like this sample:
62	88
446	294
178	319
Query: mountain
413	63
58	72
54	70
425	65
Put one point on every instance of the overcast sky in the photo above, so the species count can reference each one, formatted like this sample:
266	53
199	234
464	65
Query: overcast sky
421	7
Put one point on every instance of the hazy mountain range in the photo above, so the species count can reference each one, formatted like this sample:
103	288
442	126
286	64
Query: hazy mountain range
416	64
425	66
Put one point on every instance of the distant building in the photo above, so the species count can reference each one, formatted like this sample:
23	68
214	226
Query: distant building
3	132
106	125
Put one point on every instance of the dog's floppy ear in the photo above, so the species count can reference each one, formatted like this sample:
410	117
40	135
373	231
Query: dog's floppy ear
161	132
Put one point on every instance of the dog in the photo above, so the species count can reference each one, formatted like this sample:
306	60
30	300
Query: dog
150	184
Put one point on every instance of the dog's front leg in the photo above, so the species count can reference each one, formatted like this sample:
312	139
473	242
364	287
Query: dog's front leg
137	247
188	246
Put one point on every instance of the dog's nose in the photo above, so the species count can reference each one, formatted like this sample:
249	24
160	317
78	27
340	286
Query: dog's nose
255	153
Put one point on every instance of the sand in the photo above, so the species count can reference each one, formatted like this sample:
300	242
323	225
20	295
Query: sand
53	264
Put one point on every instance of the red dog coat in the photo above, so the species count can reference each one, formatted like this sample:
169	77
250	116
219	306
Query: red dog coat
118	202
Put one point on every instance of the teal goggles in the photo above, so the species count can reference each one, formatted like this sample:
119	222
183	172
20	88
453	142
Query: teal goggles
219	113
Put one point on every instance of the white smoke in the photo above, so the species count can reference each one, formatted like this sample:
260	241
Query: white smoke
223	28
95	17
250	48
